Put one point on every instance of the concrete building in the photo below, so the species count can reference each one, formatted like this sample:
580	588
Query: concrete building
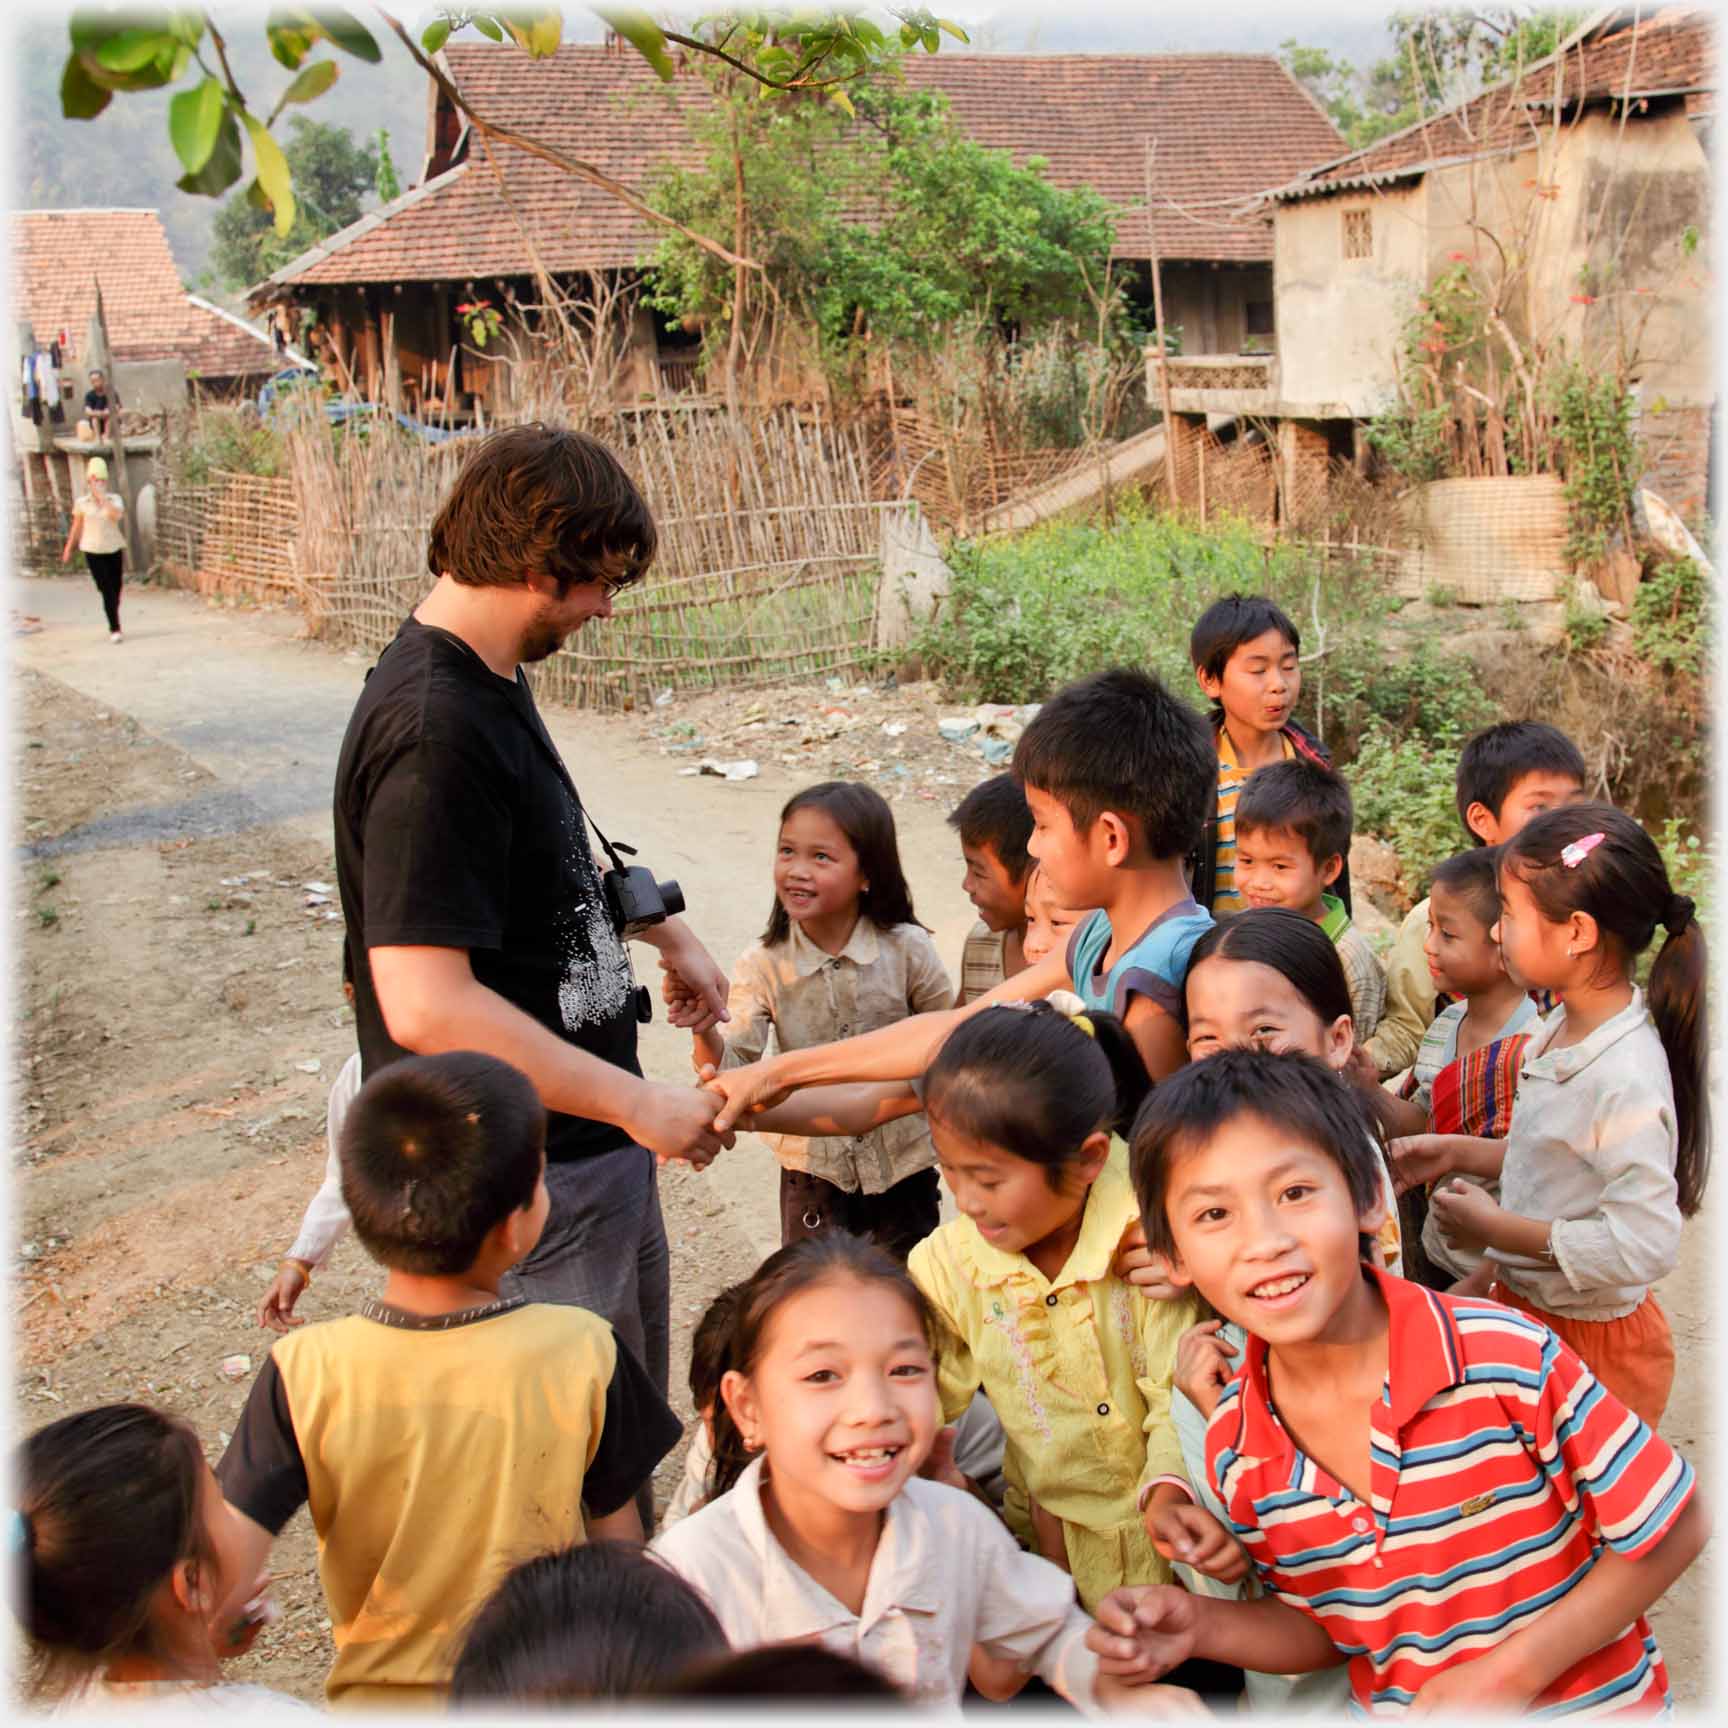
1581	192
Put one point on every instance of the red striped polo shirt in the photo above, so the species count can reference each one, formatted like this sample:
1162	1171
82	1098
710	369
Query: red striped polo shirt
1500	1467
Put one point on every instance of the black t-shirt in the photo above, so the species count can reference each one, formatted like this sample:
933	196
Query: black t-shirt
96	401
457	826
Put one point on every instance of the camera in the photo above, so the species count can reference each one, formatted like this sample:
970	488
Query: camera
636	901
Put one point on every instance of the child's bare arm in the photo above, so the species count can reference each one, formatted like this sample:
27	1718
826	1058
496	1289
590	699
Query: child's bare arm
1144	1631
1156	1036
897	1052
624	1525
1607	1601
1418	1159
1399	1117
837	1110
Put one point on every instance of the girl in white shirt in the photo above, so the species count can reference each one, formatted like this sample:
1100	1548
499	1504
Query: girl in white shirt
1610	1137
830	1534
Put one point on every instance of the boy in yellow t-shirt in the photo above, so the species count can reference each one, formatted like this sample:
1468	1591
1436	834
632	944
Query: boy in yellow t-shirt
442	1432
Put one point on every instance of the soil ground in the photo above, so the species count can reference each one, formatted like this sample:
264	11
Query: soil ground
180	1017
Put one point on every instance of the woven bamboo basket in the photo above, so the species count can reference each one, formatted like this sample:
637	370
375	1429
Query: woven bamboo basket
1488	540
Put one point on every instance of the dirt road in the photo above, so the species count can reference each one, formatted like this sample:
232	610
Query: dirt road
180	1019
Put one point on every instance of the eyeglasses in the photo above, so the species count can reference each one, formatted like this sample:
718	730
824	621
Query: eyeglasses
613	586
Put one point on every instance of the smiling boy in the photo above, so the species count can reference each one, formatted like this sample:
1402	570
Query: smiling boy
1293	824
1436	1490
994	825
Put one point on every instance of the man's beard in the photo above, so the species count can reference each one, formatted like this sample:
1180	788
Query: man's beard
541	639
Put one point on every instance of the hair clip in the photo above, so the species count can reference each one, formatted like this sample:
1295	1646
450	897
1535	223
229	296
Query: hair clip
17	1533
1084	1022
1575	854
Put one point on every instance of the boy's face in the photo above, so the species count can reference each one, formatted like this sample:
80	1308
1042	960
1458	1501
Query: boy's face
1259	684
1463	957
1076	867
1275	868
1266	1231
1529	796
999	897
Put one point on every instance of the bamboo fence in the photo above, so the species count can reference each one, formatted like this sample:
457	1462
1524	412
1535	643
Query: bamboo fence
769	547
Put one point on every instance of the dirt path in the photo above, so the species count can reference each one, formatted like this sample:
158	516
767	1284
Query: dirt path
180	1016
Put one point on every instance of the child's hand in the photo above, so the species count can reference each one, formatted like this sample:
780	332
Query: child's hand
1466	1215
1419	1159
1149	1273
1151	1703
1487	1686
1048	1533
1142	1632
1479	1283
1182	1531
744	1091
1361	1069
999	1678
276	1311
1204	1365
939	1466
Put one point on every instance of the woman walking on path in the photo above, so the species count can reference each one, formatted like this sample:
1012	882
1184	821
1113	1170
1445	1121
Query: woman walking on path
97	529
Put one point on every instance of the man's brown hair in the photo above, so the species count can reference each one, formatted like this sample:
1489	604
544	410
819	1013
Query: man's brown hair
538	499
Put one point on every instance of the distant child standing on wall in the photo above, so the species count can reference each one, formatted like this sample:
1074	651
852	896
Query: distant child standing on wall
1293	824
1609	1145
994	823
843	953
1246	659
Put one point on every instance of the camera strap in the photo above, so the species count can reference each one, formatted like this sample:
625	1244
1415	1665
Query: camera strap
606	845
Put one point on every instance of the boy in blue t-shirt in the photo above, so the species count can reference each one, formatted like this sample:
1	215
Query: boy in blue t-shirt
1120	776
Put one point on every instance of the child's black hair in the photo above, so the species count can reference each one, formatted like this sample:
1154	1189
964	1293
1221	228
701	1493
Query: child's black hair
861	813
710	1357
1474	876
1028	1080
1309	801
1120	741
1226	624
436	1152
792	1670
1623	884
994	814
1286	942
107	1507
833	1256
1302	1096
1495	759
598	1620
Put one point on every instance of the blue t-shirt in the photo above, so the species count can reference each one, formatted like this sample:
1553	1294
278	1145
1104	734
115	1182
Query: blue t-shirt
1155	966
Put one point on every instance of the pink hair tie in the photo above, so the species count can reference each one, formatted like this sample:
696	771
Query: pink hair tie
1575	854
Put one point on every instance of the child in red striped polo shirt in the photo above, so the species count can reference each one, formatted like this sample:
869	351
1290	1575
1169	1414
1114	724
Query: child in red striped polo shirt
1433	1489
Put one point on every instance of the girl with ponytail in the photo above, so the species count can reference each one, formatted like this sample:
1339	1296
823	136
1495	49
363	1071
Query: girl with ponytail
1609	1144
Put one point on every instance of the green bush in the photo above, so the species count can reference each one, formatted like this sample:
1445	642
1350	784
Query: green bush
234	441
1403	789
1670	617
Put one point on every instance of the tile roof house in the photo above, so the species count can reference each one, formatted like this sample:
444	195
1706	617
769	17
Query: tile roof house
61	257
1583	186
1226	126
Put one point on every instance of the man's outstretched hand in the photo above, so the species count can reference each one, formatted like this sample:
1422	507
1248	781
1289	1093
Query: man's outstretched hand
677	1122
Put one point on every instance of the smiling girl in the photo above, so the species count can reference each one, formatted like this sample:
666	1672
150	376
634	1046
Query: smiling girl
830	1534
843	953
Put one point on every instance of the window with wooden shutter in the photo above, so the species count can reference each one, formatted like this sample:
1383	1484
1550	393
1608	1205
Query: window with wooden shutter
1358	233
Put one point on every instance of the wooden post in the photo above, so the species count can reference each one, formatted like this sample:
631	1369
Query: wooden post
1200	447
1158	315
99	358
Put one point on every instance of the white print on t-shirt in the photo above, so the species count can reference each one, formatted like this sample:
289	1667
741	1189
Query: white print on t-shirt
597	976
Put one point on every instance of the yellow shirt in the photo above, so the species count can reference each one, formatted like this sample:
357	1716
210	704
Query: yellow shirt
1078	1369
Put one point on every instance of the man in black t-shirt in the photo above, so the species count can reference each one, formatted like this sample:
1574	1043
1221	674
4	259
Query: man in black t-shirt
96	407
475	915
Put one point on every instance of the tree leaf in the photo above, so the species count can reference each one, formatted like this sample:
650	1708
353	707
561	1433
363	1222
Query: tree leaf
544	35
347	32
488	27
273	175
133	50
80	97
837	95
194	117
953	29
313	81
435	35
642	33
222	168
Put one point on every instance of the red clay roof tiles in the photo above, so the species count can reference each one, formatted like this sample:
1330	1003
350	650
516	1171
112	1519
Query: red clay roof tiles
1227	125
